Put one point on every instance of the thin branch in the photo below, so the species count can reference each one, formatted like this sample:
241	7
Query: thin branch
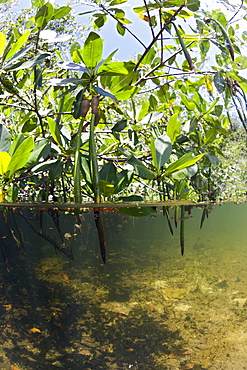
161	41
18	106
169	21
153	88
15	93
149	18
44	93
148	186
234	15
180	74
161	65
126	28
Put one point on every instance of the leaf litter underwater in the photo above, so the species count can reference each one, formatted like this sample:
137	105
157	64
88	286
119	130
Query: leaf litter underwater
146	308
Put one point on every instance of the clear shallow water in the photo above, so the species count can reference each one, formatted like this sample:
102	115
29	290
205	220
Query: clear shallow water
146	308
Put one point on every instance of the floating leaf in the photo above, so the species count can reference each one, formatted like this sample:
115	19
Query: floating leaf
137	211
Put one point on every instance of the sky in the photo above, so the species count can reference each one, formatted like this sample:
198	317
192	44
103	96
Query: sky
127	46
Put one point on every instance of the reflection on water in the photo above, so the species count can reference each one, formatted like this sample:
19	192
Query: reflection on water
146	308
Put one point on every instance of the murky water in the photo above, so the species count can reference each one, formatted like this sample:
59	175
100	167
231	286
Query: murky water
148	307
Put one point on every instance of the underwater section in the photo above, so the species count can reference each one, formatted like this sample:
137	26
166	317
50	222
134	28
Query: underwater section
160	301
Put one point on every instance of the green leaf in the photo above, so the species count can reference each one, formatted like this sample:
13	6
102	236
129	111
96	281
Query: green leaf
100	91
108	172
120	125
240	62
163	149
99	21
153	152
219	82
4	162
117	2
54	131
211	108
126	93
12	62
38	3
141	169
18	44
2	43
38	150
186	173
55	169
32	62
193	5
65	81
218	110
92	50
173	128
115	69
132	198
185	161
29	126
120	82
144	110
190	105
16	143
152	117
44	166
85	171
21	156
210	136
61	12
106	188
43	15
121	180
5	140
120	28
73	67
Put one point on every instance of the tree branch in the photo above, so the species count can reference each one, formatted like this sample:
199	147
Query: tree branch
160	65
234	15
150	22
159	33
126	28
